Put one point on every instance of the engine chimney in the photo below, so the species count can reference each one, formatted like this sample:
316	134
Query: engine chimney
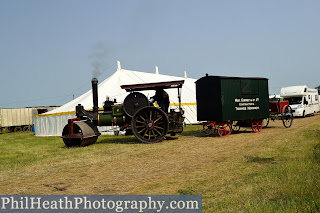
94	82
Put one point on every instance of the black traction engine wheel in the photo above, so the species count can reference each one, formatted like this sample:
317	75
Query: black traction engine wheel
150	124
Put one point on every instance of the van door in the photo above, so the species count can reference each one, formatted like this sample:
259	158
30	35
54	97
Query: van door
317	103
305	105
308	105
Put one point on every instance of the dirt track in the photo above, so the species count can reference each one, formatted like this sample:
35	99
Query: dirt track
163	168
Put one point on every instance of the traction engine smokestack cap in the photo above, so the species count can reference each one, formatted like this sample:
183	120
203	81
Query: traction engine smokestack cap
94	81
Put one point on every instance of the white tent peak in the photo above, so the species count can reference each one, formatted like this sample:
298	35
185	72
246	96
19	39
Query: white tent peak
157	70
118	66
185	74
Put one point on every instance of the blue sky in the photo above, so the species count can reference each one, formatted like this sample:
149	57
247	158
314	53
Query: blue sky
50	48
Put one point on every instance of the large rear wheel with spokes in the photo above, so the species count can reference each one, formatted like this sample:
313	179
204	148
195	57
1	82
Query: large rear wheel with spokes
287	116
150	124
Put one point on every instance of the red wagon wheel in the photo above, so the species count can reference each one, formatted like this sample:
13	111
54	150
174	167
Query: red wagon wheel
256	126
224	131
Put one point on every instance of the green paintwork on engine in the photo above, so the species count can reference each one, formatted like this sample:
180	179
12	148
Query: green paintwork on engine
110	120
117	110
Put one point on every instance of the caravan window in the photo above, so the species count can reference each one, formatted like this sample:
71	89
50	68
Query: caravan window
295	100
316	97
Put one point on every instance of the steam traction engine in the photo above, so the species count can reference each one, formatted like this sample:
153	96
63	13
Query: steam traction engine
148	123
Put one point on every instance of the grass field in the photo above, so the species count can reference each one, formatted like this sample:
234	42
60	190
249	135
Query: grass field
277	170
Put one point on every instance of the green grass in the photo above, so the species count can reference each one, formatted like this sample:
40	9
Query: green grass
289	181
284	177
21	149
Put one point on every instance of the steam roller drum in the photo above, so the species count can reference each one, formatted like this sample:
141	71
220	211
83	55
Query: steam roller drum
133	102
84	134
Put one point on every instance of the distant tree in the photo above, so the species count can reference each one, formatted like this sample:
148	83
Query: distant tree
318	88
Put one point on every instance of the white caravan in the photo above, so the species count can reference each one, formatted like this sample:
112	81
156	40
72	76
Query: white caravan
303	100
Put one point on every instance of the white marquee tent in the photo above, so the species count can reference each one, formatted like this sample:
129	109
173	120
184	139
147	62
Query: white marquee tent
52	122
